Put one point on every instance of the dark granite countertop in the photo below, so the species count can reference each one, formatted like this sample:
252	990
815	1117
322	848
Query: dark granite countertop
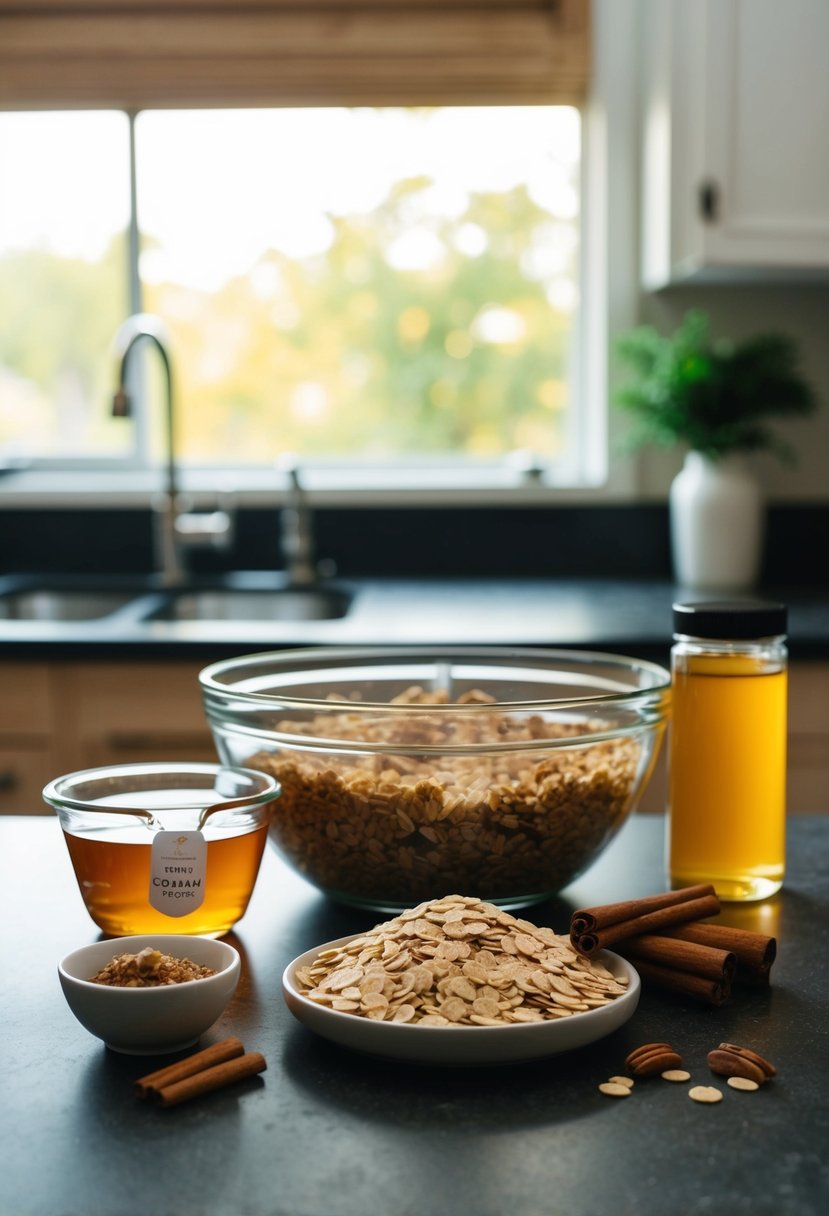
612	614
325	1132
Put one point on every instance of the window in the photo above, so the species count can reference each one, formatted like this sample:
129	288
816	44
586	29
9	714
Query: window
64	216
360	284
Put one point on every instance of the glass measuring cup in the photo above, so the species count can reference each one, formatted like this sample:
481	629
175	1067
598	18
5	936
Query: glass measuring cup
164	847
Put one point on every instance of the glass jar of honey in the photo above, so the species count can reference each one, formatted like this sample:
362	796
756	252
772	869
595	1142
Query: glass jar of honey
164	847
727	755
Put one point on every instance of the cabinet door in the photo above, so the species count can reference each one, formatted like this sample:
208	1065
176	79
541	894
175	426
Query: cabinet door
809	737
25	768
767	136
26	705
120	713
735	141
27	729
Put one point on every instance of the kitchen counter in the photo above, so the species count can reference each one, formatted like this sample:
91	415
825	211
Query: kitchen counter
325	1132
623	616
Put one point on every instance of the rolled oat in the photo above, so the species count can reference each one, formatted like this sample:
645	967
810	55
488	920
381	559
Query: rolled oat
743	1083
705	1093
393	823
410	969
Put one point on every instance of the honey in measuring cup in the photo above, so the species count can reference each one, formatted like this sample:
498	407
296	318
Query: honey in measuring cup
727	809
164	848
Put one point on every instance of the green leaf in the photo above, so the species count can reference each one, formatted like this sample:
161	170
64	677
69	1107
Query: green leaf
713	396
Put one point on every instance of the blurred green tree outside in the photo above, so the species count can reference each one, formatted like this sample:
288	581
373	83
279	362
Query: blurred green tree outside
339	355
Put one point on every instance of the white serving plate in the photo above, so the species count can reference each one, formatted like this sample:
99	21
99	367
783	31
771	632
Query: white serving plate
452	1045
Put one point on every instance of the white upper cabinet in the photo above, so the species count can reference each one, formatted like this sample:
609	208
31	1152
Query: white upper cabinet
735	140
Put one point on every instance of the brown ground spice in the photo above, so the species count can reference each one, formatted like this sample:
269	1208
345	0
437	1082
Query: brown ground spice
149	969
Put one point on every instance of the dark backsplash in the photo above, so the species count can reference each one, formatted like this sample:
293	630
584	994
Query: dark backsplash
630	541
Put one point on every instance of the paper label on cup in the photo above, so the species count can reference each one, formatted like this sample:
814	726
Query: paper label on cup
178	872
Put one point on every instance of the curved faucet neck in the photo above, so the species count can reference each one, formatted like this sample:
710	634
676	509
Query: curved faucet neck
144	326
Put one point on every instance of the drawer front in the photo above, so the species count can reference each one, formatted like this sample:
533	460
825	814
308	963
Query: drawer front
24	770
139	697
127	747
25	699
808	776
809	699
124	713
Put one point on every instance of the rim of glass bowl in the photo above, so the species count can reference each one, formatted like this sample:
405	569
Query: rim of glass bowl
161	768
651	700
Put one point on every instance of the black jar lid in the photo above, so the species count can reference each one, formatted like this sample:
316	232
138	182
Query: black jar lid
730	619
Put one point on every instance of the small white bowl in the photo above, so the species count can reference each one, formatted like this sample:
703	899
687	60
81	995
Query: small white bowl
460	1045
150	1021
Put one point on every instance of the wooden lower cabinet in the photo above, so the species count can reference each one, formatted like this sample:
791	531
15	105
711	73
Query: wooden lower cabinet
27	735
121	713
26	765
90	713
58	716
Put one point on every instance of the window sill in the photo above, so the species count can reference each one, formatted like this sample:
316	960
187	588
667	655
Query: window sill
134	489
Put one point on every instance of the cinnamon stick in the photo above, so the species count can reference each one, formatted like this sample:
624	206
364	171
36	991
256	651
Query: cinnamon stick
592	929
707	962
683	983
210	1079
755	952
227	1049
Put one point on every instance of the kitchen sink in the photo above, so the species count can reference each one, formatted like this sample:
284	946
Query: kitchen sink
248	604
63	605
240	597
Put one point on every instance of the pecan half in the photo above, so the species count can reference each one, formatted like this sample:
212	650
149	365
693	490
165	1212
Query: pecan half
731	1064
652	1059
767	1067
729	1060
646	1049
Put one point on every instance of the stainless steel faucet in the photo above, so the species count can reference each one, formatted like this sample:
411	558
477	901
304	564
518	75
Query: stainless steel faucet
297	538
173	524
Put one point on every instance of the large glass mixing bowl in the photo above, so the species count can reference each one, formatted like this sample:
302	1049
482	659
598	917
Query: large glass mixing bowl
408	774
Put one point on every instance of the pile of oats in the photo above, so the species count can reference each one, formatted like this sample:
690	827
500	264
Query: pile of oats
458	962
149	969
394	825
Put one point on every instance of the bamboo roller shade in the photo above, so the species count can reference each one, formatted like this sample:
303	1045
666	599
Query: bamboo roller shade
133	54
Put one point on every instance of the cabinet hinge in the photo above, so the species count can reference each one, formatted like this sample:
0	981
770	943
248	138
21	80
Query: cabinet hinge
709	202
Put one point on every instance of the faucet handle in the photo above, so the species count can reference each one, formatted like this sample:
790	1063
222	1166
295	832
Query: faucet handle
216	528
121	403
289	464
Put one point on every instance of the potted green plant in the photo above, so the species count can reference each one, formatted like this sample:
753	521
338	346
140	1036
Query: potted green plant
717	399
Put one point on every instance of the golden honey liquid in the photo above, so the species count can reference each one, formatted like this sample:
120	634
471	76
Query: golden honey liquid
113	872
727	822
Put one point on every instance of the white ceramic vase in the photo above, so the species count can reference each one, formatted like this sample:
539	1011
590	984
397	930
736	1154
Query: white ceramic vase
717	518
